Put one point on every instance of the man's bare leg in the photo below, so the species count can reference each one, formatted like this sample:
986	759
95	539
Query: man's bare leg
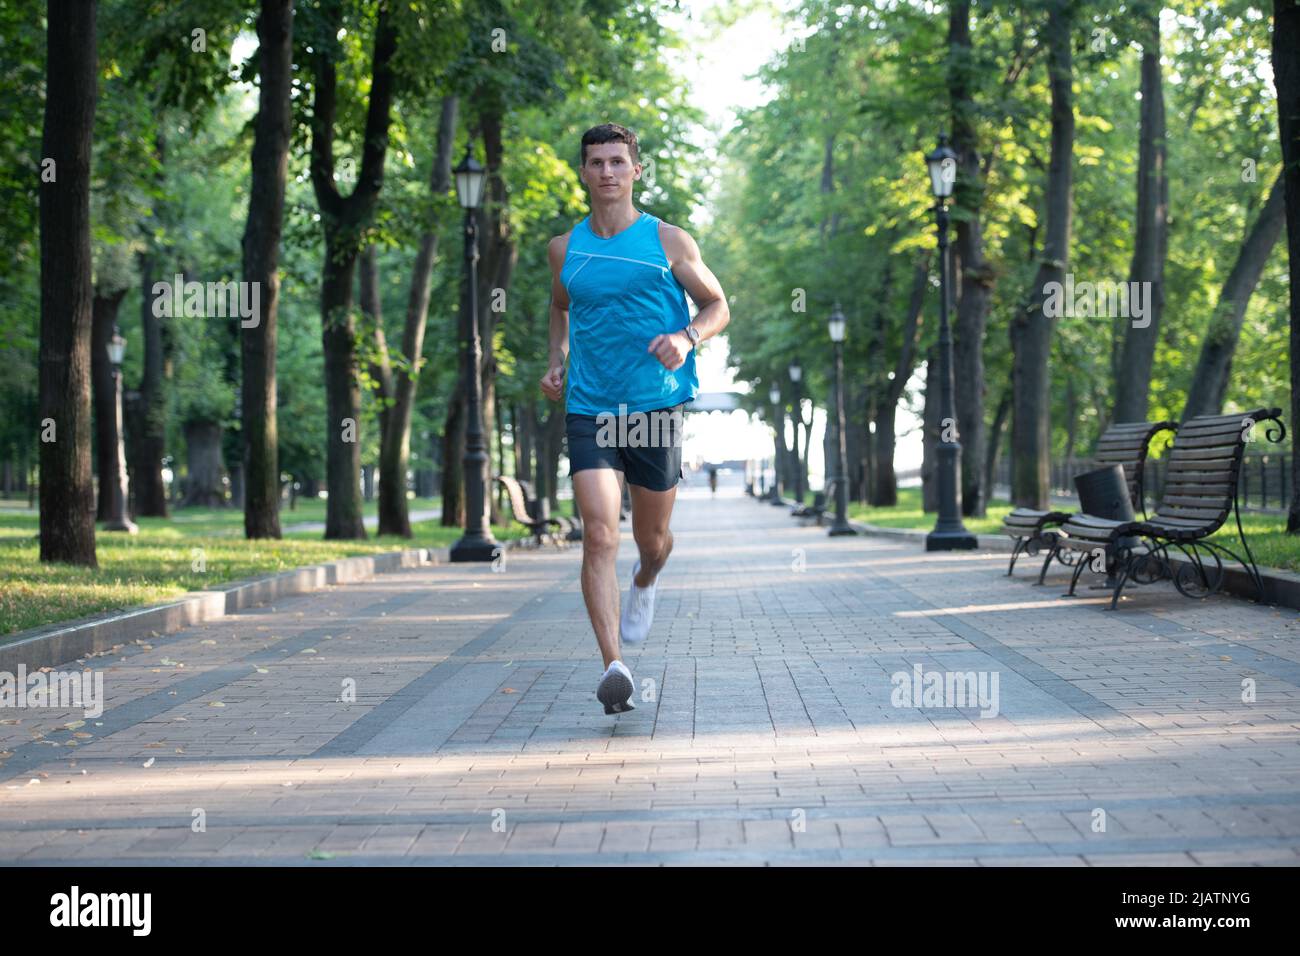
600	495
651	512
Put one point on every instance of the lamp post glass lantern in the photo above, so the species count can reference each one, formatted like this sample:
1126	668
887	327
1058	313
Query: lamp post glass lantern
117	478
477	543
835	326
949	533
116	350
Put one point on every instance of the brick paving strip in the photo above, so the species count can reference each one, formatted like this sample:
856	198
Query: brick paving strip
446	715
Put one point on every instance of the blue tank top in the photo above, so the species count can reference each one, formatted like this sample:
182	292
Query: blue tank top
622	293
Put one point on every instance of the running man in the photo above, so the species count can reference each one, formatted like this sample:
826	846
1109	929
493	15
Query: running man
621	274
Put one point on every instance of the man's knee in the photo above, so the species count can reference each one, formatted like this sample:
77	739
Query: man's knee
599	540
655	542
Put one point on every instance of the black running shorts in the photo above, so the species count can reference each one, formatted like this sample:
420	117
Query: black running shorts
645	446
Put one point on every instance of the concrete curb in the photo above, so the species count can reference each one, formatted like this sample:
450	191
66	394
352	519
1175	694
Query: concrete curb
1281	587
59	643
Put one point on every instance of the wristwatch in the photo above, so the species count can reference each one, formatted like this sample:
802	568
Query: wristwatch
693	334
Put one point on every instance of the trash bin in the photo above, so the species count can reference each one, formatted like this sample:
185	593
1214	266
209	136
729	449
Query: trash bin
1104	493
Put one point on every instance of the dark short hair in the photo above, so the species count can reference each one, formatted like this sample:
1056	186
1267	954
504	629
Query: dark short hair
609	133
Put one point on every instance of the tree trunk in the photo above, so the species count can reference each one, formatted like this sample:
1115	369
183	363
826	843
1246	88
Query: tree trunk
548	461
203	461
236	472
1031	328
453	461
344	219
148	489
930	433
395	450
343	509
524	417
995	440
784	469
108	440
67	518
884	486
500	258
1209	385
261	254
1286	75
1133	381
972	276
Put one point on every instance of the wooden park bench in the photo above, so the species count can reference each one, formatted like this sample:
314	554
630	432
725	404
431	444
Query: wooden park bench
525	512
1126	445
1200	492
531	499
822	502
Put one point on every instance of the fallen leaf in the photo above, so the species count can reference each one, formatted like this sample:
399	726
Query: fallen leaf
509	690
73	725
216	703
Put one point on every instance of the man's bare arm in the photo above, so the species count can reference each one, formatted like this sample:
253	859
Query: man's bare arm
712	313
552	383
559	346
700	283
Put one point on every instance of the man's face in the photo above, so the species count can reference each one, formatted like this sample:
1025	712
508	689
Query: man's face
609	171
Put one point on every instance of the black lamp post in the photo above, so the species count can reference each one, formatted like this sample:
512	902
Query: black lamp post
477	543
778	424
117	519
796	373
841	524
949	533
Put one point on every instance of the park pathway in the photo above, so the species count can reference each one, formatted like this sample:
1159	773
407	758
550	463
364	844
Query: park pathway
447	715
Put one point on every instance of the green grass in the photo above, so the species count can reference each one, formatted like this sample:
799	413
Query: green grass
162	561
908	514
1272	546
